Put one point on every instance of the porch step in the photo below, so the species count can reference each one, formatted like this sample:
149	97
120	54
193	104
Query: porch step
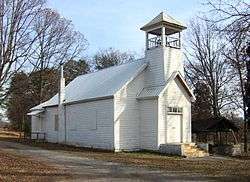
191	150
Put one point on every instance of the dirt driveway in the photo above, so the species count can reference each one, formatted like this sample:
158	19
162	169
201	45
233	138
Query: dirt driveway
88	169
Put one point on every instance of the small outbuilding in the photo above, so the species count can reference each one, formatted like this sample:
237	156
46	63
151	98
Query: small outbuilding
216	130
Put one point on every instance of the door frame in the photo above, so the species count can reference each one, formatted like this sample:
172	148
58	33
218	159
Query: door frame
166	123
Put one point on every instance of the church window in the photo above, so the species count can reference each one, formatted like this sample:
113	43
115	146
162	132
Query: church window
56	122
175	109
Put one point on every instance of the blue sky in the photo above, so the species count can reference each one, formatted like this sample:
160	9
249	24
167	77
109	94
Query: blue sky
116	23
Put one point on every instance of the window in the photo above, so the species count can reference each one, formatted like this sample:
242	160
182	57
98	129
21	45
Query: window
56	122
175	109
93	120
179	109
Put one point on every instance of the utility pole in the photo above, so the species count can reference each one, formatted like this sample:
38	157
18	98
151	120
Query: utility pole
247	122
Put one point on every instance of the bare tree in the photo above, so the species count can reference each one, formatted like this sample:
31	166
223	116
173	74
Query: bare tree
236	57
25	93
111	57
16	37
232	19
206	65
57	42
231	16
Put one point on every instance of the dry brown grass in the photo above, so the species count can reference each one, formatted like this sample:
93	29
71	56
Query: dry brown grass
19	168
218	167
214	167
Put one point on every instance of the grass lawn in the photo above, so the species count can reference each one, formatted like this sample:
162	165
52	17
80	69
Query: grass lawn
19	168
206	166
220	167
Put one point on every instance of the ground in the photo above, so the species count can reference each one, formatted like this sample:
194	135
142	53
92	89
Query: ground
20	168
29	161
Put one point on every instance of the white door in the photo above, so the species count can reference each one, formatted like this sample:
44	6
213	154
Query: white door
174	128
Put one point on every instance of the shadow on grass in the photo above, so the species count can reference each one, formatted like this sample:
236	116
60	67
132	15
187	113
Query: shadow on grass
64	147
228	168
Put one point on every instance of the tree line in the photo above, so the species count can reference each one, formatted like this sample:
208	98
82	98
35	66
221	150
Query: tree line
25	87
216	55
216	60
34	41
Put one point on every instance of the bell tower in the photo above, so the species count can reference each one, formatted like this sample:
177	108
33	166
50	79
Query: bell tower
163	49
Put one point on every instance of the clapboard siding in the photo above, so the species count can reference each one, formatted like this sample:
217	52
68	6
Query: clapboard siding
36	124
149	124
88	124
162	130
49	118
163	61
175	96
127	118
155	71
91	124
172	61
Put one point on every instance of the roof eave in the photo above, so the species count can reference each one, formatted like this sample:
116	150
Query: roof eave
172	77
82	101
147	98
160	24
89	100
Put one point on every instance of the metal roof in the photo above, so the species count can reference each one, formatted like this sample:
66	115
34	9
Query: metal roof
100	84
36	112
163	19
152	92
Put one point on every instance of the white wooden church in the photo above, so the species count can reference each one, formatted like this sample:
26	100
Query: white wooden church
140	105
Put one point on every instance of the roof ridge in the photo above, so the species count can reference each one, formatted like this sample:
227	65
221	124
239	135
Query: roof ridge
160	19
154	86
111	67
106	83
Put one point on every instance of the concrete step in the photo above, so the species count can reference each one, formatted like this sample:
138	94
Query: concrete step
197	155
192	144
191	150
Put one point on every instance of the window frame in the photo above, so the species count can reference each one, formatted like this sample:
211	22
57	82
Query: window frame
174	110
56	122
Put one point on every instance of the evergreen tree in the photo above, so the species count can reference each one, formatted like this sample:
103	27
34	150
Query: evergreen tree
19	100
73	68
202	107
25	91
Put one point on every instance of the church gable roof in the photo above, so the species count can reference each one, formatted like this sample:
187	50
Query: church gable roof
156	91
99	84
177	75
161	19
